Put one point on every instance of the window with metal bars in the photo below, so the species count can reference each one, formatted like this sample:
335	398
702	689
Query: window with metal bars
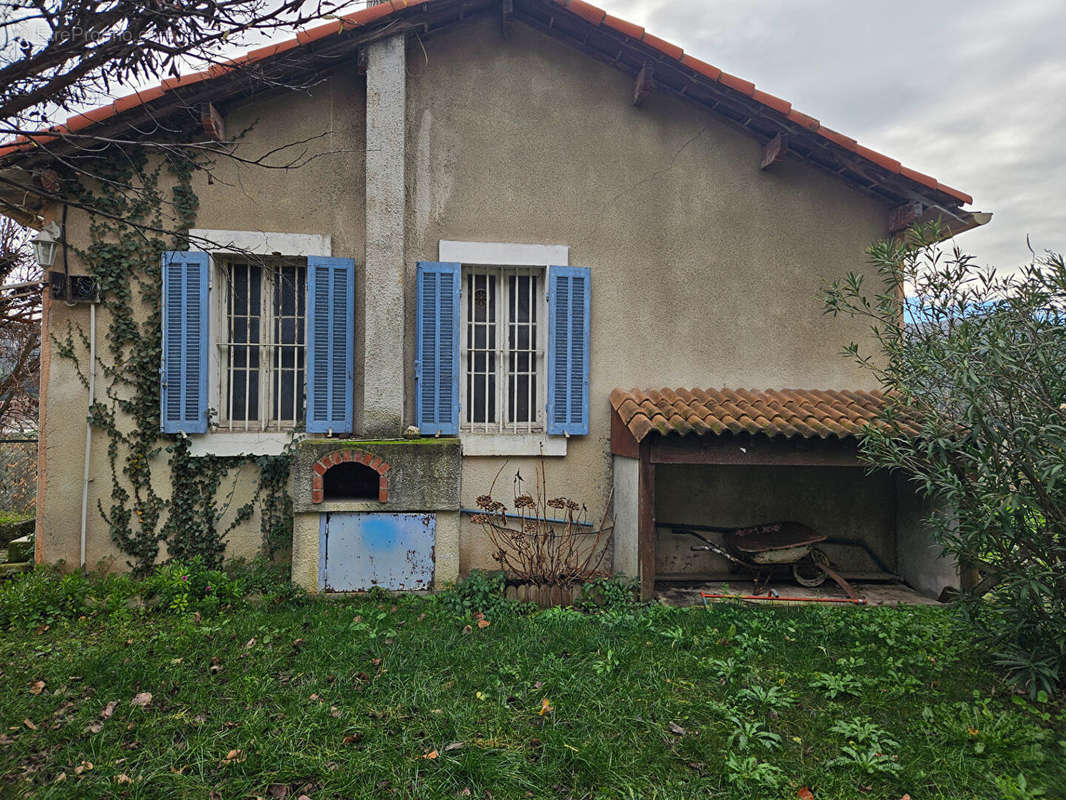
503	344
262	353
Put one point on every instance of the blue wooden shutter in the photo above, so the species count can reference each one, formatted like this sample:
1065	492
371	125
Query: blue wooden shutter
568	350
331	347
437	357
183	368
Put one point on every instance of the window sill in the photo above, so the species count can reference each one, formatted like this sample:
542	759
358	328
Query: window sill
512	444
251	443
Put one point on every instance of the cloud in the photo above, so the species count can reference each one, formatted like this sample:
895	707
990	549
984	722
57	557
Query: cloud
972	92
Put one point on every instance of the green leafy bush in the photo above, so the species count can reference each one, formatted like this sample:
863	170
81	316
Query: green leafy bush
181	587
265	578
47	595
42	597
480	592
974	416
609	594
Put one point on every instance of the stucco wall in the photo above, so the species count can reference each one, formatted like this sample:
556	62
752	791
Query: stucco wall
705	270
321	195
922	562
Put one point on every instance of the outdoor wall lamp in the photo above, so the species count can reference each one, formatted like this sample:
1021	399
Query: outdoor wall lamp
46	243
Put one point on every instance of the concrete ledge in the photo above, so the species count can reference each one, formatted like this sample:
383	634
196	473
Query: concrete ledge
512	444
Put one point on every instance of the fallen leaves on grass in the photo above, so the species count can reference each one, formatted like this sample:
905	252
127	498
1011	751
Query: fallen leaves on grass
84	766
141	700
545	707
29	724
432	754
453	746
124	778
37	687
352	738
805	794
234	757
483	623
109	709
676	729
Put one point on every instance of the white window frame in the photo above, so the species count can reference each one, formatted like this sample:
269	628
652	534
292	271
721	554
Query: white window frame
503	256
265	422
223	245
503	424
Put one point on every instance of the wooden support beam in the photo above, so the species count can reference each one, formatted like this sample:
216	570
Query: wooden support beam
214	128
643	84
773	151
902	217
646	523
750	450
506	17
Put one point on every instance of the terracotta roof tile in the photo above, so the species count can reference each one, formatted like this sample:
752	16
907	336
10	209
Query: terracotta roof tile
776	103
804	120
733	82
838	138
585	10
807	413
591	14
663	46
702	67
628	28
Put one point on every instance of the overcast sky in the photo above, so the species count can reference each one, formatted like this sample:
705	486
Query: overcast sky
972	93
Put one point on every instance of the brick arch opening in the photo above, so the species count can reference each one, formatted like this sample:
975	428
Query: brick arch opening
353	479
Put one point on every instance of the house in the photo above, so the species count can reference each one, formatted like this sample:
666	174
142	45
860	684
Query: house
509	214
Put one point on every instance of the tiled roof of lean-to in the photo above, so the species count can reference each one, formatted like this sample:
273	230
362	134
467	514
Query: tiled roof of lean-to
387	17
788	413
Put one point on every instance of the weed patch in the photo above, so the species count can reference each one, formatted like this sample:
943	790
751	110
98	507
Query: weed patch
464	694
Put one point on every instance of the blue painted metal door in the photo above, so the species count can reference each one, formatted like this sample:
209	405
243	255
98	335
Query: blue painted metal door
359	550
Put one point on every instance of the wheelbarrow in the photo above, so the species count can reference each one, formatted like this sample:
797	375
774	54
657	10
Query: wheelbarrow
763	548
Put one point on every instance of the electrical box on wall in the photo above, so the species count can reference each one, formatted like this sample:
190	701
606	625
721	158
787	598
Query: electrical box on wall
73	288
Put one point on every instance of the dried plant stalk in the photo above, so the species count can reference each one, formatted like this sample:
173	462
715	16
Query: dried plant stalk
547	541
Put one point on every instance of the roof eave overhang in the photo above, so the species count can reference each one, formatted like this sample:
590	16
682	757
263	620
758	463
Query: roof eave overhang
623	46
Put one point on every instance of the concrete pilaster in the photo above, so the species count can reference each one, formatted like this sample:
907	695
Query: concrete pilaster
383	312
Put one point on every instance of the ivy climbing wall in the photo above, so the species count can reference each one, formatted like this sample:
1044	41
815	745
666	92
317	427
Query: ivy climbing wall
148	498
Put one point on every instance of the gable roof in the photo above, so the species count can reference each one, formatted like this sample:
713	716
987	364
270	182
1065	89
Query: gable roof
607	38
788	413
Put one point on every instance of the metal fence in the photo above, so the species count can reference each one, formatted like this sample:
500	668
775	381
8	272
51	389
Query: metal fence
18	475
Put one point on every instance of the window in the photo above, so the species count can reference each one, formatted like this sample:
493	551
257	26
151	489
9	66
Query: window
502	349
261	342
502	352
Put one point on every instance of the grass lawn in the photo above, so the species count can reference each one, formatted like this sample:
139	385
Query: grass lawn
399	698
